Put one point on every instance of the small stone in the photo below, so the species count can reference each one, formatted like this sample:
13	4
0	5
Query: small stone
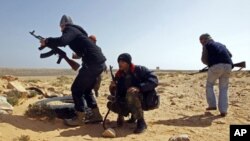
182	137
109	133
51	89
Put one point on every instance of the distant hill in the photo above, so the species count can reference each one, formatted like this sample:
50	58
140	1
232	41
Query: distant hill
35	72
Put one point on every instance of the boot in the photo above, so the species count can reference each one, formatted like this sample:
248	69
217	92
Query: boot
75	121
131	119
120	120
95	117
141	126
96	93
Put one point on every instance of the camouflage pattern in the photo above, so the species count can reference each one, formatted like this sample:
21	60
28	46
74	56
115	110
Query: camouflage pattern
131	105
134	104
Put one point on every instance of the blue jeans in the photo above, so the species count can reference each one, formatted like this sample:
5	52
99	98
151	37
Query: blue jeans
221	72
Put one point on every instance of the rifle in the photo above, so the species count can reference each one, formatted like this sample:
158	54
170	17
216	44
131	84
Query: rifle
241	65
55	50
105	118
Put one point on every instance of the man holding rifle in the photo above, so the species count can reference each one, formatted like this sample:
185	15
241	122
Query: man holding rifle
92	66
133	88
218	58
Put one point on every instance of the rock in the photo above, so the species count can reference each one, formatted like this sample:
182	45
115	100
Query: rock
38	90
173	103
5	107
18	86
87	137
66	92
9	77
50	95
51	89
182	137
109	133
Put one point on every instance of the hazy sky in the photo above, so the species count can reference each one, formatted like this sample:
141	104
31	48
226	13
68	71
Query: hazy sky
162	33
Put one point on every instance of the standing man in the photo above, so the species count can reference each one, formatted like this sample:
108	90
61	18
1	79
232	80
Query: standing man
93	64
218	59
99	78
134	89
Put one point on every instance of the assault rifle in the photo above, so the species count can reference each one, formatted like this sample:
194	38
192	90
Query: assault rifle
55	50
241	65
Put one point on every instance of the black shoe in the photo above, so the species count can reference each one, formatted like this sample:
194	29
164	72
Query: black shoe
223	114
131	119
211	108
94	117
141	126
120	121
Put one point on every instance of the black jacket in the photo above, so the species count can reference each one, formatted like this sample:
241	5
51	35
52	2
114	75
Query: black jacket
77	39
142	78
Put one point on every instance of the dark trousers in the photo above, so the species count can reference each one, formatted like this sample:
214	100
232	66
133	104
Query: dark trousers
82	87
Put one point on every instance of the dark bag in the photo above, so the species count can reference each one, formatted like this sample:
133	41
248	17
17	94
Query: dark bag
151	100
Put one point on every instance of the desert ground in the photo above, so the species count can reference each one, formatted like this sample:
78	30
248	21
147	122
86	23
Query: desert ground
181	111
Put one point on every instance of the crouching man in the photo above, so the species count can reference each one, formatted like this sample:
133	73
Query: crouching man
133	92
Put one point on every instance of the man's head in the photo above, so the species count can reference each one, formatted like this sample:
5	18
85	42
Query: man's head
92	38
204	38
65	20
124	60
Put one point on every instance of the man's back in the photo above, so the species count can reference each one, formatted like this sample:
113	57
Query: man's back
217	53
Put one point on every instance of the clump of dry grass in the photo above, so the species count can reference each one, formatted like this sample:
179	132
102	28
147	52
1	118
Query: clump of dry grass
40	111
13	97
32	94
22	138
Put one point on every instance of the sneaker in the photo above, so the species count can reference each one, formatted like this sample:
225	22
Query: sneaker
223	114
211	108
75	121
131	119
141	126
95	117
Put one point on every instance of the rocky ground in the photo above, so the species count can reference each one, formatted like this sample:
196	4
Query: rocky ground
182	110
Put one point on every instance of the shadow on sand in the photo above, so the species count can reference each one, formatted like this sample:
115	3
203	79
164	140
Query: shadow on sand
96	130
92	130
24	122
202	120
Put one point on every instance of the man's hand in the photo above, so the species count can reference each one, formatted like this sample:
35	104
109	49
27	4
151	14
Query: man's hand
43	43
112	87
133	90
75	56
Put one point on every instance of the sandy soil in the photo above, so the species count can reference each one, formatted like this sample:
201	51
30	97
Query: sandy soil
182	111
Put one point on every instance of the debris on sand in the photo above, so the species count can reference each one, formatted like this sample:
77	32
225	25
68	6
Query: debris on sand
60	107
181	137
5	107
